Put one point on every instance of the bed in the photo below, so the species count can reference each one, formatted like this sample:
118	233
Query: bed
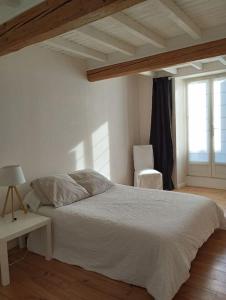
143	237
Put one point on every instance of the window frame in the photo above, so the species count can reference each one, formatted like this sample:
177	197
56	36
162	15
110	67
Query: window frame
211	164
212	102
199	79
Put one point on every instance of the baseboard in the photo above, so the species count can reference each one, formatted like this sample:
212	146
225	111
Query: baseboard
215	183
181	185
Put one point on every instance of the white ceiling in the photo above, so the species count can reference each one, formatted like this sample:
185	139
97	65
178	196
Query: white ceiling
195	68
148	28
11	8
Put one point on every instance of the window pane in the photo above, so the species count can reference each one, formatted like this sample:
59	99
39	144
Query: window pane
198	131
219	121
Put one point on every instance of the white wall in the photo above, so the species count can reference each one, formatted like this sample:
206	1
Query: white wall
53	120
145	107
180	134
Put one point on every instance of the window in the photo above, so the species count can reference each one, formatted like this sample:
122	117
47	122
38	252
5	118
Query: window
219	120
198	135
206	105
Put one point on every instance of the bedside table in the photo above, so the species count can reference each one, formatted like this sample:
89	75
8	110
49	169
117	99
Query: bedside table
24	224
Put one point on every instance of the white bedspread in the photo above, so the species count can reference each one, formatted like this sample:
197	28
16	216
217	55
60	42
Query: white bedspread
139	236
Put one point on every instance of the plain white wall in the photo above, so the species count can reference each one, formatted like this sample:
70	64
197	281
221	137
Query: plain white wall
52	120
180	133
145	107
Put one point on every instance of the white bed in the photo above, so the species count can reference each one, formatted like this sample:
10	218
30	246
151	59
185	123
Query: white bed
143	237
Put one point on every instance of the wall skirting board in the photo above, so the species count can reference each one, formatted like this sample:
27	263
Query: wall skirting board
181	185
216	183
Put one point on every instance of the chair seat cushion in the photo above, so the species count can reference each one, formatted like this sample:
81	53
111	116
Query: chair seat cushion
148	178
147	172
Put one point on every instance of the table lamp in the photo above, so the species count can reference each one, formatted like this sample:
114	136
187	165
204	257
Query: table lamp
12	176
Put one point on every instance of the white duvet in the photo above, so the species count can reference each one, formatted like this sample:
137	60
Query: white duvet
139	236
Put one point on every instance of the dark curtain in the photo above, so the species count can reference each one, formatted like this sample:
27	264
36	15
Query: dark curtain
160	137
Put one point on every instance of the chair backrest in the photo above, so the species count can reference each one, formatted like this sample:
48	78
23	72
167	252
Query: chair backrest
143	157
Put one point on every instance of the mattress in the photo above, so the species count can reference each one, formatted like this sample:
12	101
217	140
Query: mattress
140	236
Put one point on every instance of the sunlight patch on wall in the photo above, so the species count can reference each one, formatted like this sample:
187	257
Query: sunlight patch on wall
79	156
101	150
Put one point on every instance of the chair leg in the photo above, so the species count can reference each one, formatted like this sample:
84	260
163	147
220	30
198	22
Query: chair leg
6	200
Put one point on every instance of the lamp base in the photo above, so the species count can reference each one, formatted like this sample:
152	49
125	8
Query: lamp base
10	191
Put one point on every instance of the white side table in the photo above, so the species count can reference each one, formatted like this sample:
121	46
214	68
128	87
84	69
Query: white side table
24	224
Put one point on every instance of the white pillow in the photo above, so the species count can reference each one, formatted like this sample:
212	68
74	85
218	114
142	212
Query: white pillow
31	201
92	181
58	190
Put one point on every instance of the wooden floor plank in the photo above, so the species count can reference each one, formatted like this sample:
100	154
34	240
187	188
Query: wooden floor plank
3	297
71	286
73	275
208	272
219	196
212	285
188	293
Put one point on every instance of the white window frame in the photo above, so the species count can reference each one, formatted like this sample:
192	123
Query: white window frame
212	164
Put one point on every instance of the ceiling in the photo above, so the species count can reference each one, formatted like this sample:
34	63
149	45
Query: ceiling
149	28
11	8
195	68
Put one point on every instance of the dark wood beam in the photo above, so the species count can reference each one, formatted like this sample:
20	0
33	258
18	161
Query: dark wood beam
54	17
159	61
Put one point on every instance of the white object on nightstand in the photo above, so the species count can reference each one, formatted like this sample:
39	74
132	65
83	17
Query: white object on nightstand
12	176
10	230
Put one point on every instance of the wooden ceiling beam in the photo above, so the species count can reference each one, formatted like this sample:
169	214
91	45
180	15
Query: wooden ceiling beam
181	19
222	60
107	40
172	70
196	65
159	61
139	30
51	18
75	49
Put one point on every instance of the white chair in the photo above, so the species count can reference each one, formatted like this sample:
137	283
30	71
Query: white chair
144	175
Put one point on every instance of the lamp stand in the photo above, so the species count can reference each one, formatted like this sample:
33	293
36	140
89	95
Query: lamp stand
11	190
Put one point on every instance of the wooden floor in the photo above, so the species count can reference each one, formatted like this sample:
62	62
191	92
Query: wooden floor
36	279
219	196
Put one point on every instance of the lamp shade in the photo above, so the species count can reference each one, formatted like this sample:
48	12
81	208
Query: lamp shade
11	175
